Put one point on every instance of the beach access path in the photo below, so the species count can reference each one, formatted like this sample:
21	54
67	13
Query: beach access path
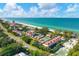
20	41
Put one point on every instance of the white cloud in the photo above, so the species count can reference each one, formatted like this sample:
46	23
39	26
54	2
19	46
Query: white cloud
9	6
1	12
72	8
70	15
44	10
46	5
49	12
72	11
19	11
32	12
13	10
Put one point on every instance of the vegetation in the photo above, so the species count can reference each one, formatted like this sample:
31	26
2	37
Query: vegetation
8	49
37	53
40	46
11	50
74	51
6	25
51	49
5	40
25	28
57	47
44	30
67	34
26	39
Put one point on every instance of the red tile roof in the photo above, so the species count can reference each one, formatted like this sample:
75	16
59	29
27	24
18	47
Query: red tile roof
54	40
12	24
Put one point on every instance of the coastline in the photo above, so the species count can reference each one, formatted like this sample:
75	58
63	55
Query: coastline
53	29
66	29
34	26
28	25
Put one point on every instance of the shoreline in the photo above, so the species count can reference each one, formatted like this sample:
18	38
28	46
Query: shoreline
28	25
34	26
53	29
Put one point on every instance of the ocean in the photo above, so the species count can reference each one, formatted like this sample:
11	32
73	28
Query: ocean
71	24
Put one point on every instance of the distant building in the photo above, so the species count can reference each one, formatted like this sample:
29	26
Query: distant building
53	41
18	32
49	35
29	33
42	40
13	24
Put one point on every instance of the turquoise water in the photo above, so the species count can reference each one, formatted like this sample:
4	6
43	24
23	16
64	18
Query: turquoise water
53	23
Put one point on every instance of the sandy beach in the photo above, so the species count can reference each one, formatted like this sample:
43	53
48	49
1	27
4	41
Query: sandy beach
29	25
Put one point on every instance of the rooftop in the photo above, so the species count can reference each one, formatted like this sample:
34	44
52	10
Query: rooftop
54	40
21	54
45	39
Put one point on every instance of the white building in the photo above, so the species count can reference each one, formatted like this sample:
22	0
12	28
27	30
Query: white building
21	54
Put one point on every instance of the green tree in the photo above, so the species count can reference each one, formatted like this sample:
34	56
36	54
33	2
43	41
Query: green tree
74	51
25	28
44	30
10	50
27	39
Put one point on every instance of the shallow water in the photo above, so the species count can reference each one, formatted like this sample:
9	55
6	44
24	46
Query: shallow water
58	23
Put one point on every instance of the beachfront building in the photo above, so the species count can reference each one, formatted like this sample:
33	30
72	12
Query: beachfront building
53	41
13	24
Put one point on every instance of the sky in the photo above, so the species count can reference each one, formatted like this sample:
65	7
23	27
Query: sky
49	10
